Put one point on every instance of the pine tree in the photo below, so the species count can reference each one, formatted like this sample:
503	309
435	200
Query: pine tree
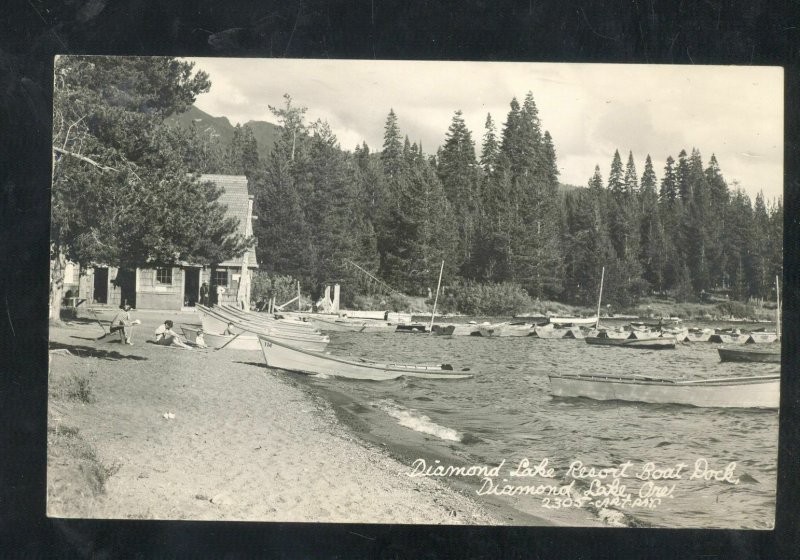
392	146
651	230
490	148
457	168
631	180
717	223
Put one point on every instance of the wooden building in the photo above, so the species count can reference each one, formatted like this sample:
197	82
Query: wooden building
178	286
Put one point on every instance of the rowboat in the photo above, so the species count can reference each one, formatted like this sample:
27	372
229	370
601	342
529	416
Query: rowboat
739	392
217	321
728	338
551	332
346	324
504	329
761	337
249	341
283	356
634	340
288	325
573	320
462	329
749	354
697	335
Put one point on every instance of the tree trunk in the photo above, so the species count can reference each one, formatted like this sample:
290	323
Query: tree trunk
57	267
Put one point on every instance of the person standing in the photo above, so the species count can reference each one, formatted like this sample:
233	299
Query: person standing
220	293
204	294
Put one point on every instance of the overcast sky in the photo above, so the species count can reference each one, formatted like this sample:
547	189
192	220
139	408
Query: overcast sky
589	109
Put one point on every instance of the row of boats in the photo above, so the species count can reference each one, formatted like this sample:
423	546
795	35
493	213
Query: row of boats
298	343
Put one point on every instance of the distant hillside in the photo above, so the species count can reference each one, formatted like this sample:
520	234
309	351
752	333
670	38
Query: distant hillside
265	133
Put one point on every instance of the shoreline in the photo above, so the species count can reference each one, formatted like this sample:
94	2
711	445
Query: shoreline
244	443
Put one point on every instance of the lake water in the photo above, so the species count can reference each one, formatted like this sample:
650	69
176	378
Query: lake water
505	413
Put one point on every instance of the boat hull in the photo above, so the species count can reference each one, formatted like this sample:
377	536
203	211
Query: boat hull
746	392
455	330
504	329
282	356
749	355
249	342
657	343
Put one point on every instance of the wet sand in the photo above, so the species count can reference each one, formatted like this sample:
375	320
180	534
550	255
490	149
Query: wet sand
207	435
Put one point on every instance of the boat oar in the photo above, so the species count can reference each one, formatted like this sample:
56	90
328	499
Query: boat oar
231	340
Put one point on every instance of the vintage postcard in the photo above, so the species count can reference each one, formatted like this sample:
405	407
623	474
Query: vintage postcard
351	291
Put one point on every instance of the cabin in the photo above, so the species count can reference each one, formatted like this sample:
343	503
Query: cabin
178	286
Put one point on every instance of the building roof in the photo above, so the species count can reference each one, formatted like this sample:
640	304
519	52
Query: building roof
236	197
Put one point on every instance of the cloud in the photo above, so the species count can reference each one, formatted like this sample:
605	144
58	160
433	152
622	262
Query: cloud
589	109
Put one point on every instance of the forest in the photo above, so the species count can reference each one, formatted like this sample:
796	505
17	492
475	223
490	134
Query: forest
497	215
492	209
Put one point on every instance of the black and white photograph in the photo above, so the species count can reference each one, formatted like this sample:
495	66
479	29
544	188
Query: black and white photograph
415	292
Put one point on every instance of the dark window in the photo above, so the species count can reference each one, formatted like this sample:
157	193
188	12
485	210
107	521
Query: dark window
221	277
164	275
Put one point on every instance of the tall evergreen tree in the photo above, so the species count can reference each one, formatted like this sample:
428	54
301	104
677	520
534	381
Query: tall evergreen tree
651	230
490	148
392	146
458	172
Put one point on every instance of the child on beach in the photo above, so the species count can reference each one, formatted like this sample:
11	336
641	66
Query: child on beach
165	336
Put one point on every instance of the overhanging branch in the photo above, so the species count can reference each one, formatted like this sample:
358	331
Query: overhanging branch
83	158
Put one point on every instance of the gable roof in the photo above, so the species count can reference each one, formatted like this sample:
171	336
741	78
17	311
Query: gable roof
236	197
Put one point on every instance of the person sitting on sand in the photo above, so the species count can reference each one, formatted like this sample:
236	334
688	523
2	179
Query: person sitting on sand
165	336
123	324
228	330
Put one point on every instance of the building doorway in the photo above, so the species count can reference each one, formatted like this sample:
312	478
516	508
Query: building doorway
191	286
126	280
100	287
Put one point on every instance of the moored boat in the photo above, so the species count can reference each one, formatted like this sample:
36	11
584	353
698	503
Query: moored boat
504	329
740	392
750	354
634	340
459	329
346	324
564	321
284	356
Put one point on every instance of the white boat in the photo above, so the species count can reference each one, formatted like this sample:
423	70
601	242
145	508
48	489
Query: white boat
573	320
634	340
283	356
346	324
697	335
504	329
551	332
739	392
249	341
728	338
218	322
288	325
761	337
750	354
459	329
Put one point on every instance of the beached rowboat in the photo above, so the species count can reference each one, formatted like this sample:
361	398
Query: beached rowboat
249	341
740	392
283	356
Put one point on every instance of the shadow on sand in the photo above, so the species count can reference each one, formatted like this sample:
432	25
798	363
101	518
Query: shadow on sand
88	351
256	364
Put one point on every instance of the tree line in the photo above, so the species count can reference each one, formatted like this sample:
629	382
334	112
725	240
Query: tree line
495	214
498	214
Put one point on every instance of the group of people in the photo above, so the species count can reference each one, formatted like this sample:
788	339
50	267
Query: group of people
164	334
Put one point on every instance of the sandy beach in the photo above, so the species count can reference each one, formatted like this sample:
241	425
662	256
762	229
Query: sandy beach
148	432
